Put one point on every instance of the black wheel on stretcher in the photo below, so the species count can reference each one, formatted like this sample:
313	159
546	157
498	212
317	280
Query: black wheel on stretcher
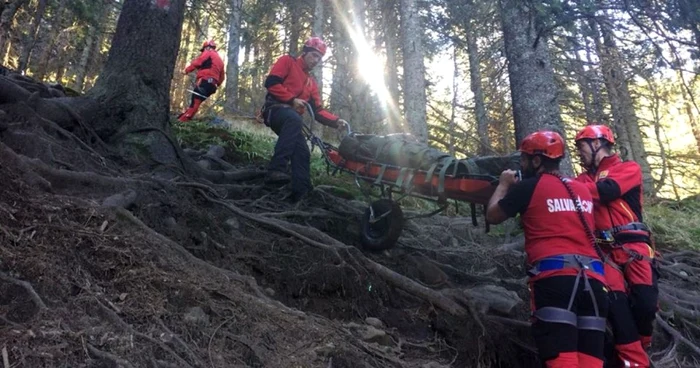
381	225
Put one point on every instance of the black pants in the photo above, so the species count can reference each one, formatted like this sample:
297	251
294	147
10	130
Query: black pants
632	315
555	338
291	147
204	88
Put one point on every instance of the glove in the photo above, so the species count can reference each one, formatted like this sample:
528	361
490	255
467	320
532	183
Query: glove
342	124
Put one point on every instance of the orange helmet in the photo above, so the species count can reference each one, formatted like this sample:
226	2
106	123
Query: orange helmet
208	43
596	132
315	44
546	143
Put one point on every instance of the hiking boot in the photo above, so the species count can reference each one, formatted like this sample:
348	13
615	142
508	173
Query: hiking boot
277	177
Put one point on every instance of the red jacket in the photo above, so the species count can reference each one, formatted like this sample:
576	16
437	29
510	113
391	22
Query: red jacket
288	80
551	223
616	188
208	65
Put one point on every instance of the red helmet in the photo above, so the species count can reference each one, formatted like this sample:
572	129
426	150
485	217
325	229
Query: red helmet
546	143
209	43
316	44
596	132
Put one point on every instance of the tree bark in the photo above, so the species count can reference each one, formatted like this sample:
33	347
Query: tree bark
626	121
51	35
9	10
318	31
340	90
363	106
234	44
294	8
133	89
391	32
689	107
85	56
532	86
31	42
453	107
414	97
482	118
595	80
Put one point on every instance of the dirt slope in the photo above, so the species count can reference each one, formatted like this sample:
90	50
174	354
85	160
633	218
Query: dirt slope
105	263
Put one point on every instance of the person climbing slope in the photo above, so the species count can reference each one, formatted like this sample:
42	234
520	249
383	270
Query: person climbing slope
210	75
290	87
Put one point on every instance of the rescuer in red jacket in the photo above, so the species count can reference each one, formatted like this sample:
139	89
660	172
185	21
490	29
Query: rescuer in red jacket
290	87
567	282
210	75
616	187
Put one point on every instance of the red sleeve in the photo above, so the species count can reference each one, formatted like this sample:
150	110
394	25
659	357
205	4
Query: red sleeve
587	180
275	79
196	63
322	116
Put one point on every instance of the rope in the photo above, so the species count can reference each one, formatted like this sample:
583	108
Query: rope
579	211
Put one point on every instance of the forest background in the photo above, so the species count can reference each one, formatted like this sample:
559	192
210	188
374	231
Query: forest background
446	72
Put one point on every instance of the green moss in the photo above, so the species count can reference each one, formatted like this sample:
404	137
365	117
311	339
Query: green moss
675	224
240	145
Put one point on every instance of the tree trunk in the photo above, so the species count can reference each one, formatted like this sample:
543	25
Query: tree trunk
453	107
595	80
317	30
234	44
97	58
584	88
243	98
689	107
391	31
31	42
9	10
414	97
50	37
133	89
179	97
363	106
532	86
90	42
482	118
622	105
340	90
294	8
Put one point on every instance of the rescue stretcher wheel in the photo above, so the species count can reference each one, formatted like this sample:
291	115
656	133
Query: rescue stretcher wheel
382	224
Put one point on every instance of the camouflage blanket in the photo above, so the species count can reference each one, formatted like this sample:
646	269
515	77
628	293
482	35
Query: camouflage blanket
404	151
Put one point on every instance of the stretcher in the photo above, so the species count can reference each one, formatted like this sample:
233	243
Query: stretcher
383	220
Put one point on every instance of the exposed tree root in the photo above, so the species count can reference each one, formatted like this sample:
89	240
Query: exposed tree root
73	150
28	287
191	167
228	275
677	335
108	356
118	321
338	249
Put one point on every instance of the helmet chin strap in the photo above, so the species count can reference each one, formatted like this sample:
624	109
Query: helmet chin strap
594	153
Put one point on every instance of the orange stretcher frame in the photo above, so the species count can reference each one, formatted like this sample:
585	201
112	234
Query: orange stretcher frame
469	188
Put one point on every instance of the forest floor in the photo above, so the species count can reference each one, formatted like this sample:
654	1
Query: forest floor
106	264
